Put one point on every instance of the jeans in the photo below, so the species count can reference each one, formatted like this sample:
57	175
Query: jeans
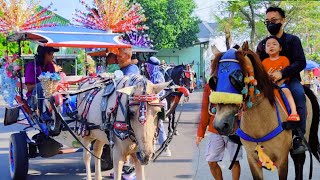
298	94
162	133
34	101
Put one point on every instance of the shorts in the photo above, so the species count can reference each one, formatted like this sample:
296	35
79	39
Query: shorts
217	146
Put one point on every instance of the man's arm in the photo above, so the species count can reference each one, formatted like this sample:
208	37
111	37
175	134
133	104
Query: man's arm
298	59
204	116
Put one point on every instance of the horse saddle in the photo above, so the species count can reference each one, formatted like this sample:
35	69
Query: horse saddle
108	90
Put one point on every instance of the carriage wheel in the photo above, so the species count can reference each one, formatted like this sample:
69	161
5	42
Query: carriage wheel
18	156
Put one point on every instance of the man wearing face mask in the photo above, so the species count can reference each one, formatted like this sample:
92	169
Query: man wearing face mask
292	49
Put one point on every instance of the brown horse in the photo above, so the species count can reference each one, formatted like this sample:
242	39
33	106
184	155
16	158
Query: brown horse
260	119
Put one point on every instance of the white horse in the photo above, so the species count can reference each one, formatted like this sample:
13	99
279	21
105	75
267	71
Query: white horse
134	106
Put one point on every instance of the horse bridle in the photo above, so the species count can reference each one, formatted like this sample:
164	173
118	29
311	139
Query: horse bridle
186	74
137	100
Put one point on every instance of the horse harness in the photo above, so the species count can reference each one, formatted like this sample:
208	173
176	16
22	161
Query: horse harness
186	74
122	128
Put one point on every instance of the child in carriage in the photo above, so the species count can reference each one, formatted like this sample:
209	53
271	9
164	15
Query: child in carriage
274	63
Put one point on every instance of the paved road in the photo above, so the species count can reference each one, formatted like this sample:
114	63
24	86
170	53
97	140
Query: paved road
177	167
187	161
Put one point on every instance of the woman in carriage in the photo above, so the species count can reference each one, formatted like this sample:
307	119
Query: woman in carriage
43	63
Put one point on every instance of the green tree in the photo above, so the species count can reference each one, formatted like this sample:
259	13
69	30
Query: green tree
171	23
244	20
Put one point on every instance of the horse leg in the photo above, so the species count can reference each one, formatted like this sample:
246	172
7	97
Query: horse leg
97	149
118	161
256	171
298	160
140	175
283	169
87	156
173	122
170	116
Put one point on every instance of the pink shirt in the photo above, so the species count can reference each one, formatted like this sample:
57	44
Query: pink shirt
31	73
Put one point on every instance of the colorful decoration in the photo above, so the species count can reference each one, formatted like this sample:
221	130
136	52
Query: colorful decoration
18	15
264	159
9	67
225	98
12	65
250	90
49	82
137	38
113	15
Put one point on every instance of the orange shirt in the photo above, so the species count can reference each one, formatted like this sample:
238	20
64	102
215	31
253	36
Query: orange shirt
279	64
205	118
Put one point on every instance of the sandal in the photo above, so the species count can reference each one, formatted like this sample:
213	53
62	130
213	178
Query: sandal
293	117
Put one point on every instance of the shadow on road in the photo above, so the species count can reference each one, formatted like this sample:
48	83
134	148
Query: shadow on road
174	160
4	149
183	176
59	170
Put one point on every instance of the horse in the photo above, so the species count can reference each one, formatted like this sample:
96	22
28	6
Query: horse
131	109
181	75
259	113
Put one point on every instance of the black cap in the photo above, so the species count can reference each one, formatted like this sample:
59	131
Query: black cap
46	49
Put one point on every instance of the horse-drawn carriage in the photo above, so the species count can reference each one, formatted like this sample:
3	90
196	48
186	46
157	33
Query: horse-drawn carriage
124	108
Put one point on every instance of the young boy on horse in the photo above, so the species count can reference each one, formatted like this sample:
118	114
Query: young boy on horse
292	49
275	63
217	143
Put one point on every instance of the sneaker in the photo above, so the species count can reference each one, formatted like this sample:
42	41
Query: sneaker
166	153
131	176
127	169
298	147
176	133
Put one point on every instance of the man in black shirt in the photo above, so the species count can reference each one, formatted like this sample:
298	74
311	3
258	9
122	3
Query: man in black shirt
292	49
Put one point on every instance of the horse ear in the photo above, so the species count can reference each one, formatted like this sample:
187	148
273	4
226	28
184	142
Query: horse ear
245	46
127	90
159	87
214	49
192	63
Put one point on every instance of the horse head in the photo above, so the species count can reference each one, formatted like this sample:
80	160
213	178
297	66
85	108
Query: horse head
188	77
183	75
143	108
237	81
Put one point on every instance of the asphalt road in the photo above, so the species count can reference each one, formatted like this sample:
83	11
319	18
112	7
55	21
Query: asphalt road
187	161
71	166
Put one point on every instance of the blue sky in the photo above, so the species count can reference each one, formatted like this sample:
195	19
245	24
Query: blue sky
65	8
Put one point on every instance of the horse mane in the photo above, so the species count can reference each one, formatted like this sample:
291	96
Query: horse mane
215	63
265	84
176	73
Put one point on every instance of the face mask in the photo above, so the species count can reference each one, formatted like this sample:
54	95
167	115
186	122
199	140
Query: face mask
274	28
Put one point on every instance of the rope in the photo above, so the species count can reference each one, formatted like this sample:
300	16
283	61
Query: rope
198	162
165	144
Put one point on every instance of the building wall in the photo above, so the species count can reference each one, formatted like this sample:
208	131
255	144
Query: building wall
186	55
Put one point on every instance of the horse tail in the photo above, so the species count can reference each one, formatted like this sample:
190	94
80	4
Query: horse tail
313	137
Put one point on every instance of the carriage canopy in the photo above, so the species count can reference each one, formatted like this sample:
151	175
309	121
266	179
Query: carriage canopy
70	36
